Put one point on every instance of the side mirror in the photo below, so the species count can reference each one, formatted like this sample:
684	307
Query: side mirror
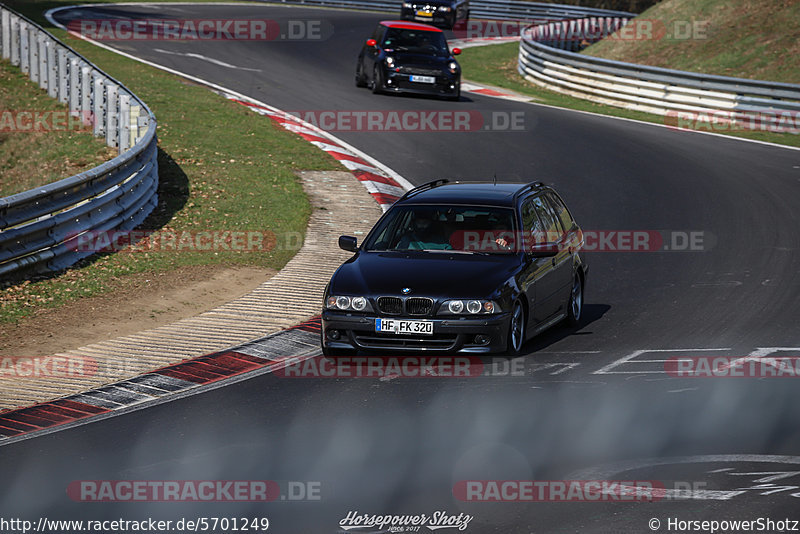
371	42
544	250
456	51
348	243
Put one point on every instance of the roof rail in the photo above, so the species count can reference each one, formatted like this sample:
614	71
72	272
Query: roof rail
526	188
424	187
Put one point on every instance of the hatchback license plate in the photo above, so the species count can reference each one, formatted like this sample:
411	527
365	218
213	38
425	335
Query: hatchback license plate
424	14
399	326
423	79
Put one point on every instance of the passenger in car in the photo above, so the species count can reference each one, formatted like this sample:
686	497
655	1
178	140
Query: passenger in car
426	233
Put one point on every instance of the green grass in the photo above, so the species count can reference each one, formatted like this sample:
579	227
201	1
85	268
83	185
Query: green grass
221	167
497	65
741	38
34	154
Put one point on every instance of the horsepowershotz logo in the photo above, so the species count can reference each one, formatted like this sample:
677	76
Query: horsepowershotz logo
438	520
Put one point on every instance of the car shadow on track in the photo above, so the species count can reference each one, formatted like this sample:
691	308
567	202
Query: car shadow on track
591	313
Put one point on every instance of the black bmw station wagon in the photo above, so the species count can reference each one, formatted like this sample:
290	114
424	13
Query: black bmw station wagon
458	267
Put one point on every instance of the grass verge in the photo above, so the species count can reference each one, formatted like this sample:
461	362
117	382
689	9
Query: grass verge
497	65
221	167
37	143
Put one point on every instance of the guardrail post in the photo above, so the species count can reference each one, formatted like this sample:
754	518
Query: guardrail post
99	104
44	80
5	27
124	122
63	76
73	88
24	54
15	41
33	49
51	69
85	107
112	115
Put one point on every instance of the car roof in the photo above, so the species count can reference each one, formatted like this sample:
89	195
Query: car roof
405	25
478	193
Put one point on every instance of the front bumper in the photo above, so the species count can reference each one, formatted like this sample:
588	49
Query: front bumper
399	82
357	332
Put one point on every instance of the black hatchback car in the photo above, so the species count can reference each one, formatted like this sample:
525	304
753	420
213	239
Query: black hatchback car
458	267
444	13
410	58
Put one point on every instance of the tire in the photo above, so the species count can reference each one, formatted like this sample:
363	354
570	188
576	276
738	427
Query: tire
377	83
575	303
360	81
516	330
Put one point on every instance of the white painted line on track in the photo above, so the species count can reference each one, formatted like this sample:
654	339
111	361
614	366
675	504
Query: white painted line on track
607	369
204	58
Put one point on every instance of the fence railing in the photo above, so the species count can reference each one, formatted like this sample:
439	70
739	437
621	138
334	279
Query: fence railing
548	58
39	228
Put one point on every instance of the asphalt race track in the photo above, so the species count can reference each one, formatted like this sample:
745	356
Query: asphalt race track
589	403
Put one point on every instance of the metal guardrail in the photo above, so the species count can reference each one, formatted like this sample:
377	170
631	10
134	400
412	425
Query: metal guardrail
548	58
39	229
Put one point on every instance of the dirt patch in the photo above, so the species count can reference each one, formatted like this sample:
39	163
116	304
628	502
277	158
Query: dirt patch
147	300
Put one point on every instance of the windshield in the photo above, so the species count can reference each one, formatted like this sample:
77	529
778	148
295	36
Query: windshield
466	229
418	41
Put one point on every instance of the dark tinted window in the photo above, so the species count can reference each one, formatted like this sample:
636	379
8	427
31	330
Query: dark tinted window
420	41
549	229
444	227
561	211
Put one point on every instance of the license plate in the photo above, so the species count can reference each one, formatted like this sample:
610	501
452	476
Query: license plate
400	326
423	79
424	14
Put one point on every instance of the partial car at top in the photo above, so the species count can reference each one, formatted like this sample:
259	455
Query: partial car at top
458	267
444	13
406	57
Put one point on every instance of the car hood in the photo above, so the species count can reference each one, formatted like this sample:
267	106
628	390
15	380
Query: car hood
429	274
409	58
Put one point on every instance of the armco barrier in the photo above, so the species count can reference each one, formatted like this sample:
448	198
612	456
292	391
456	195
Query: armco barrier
38	226
547	58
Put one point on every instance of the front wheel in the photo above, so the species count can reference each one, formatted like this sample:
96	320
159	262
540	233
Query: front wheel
377	83
360	80
516	330
575	306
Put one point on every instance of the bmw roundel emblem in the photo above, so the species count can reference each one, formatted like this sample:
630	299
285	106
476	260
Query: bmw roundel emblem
406	290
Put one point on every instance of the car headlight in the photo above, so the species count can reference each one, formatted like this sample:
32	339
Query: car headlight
408	5
346	303
453	67
468	307
389	61
445	9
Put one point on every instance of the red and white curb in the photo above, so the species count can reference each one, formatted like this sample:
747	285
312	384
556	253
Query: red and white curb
384	188
260	356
